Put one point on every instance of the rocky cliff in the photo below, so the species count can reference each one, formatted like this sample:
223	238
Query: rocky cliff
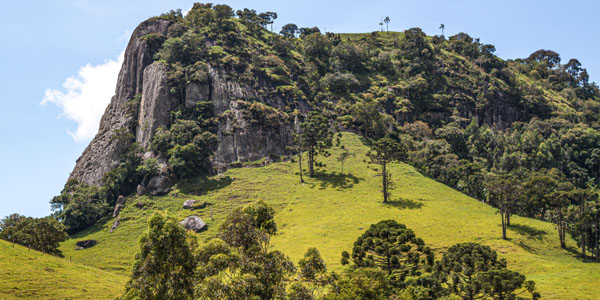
143	103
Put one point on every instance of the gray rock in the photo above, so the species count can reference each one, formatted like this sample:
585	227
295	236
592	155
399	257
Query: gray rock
140	205
117	210
115	224
158	185
80	245
103	153
189	204
120	200
141	190
193	223
193	204
196	92
156	105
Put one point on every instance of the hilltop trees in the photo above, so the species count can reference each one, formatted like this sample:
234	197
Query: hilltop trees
289	30
383	152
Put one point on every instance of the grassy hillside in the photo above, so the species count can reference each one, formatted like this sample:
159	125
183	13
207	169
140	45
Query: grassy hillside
332	210
26	274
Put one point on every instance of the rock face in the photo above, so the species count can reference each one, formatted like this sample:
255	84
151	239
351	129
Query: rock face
143	103
156	105
193	223
102	154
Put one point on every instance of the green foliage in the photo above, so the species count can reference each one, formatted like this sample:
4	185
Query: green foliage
383	152
79	205
164	268
393	248
41	234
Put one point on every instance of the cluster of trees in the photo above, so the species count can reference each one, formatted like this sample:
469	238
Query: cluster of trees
389	262
41	234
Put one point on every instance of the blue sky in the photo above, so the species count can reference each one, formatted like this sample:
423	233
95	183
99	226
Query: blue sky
47	119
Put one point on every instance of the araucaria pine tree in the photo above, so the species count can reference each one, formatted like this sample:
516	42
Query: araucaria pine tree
383	152
316	137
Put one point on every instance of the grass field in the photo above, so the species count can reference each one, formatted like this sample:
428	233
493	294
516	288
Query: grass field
28	274
331	210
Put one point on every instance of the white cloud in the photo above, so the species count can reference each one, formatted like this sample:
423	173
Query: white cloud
84	97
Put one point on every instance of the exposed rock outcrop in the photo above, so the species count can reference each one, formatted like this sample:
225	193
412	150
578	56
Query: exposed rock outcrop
156	104
239	139
102	154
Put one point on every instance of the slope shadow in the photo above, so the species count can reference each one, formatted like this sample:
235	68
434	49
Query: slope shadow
528	231
203	185
337	180
403	203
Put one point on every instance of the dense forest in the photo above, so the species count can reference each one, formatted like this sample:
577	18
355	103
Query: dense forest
521	135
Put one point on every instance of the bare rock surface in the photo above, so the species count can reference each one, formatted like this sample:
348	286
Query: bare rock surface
193	223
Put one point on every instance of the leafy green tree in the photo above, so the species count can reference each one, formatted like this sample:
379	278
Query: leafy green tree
316	137
268	18
79	205
223	12
313	274
240	265
560	201
289	30
344	155
383	152
165	266
460	268
393	248
41	234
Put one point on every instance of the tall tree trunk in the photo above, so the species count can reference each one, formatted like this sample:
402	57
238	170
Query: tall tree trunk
384	182
502	214
507	219
311	161
300	166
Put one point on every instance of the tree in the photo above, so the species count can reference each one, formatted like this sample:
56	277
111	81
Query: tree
41	234
239	265
164	268
504	192
362	284
442	27
344	155
80	205
505	284
289	30
316	137
393	248
313	272
559	202
387	23
383	152
461	266
268	18
223	12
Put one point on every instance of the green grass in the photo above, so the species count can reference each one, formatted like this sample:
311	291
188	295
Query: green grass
330	211
28	274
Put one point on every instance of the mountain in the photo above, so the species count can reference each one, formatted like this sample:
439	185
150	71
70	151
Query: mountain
212	107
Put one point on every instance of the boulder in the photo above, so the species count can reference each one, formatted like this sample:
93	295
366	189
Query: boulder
158	185
193	223
84	244
140	205
117	209
120	200
115	224
189	204
141	190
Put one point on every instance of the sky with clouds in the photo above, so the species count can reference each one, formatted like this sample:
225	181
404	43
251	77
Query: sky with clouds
59	62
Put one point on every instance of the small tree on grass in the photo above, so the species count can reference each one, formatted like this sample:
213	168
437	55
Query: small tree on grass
43	234
164	268
315	137
344	155
383	152
504	192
